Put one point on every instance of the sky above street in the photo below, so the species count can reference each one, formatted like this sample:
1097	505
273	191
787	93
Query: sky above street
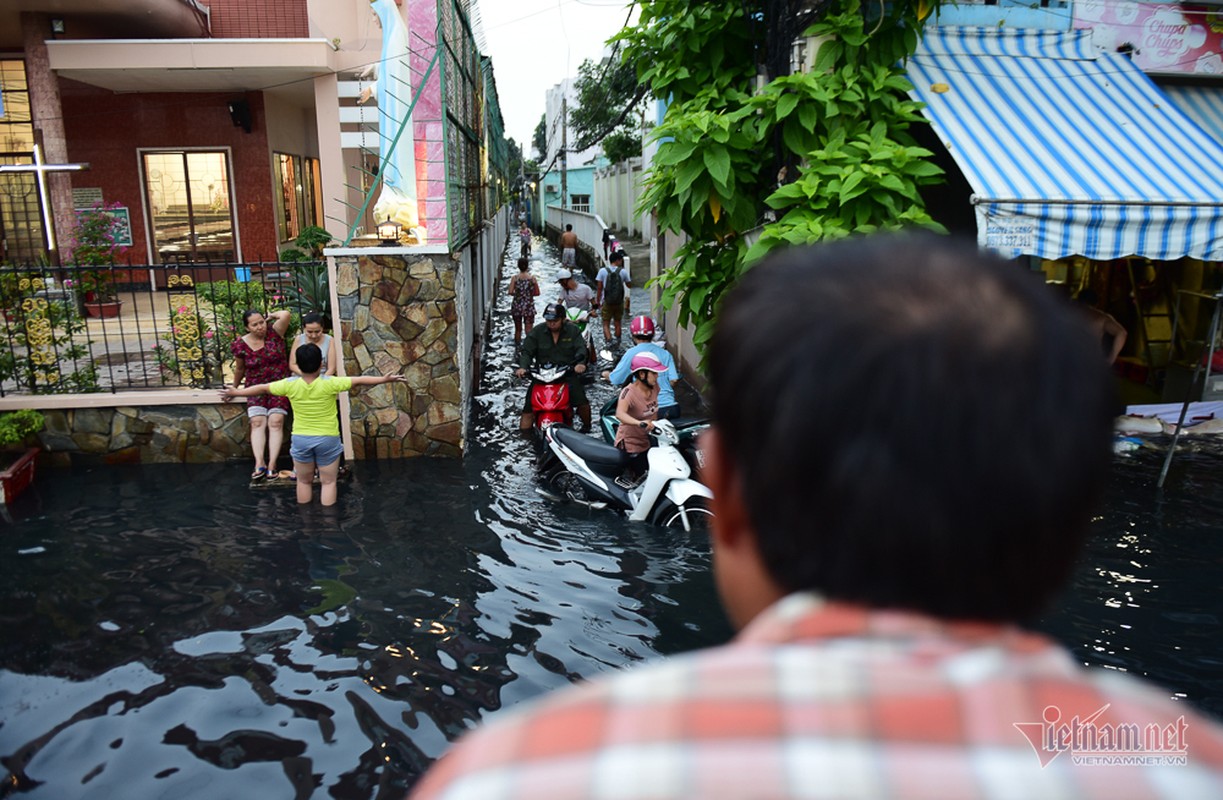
534	44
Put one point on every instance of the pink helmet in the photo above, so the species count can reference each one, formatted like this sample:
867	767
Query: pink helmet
647	361
641	326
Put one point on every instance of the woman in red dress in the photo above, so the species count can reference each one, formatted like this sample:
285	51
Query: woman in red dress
261	356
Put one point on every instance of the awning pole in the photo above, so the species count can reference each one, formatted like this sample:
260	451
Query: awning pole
1197	372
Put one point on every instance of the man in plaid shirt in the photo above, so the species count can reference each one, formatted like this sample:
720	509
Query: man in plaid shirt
909	439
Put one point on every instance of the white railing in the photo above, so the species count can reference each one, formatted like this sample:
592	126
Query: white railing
589	227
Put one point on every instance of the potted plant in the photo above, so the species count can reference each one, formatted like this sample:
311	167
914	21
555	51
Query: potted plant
17	468
94	248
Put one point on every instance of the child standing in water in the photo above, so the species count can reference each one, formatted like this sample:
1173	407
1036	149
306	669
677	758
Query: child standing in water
524	288
316	430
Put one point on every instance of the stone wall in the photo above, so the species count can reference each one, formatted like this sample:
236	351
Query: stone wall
398	314
188	434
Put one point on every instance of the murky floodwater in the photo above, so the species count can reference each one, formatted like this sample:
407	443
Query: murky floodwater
168	632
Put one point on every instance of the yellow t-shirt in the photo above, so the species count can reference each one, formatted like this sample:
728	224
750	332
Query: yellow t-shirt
313	403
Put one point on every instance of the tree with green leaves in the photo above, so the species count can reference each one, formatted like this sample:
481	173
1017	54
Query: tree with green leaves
539	139
608	94
818	154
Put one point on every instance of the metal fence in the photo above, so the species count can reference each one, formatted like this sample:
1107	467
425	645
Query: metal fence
120	328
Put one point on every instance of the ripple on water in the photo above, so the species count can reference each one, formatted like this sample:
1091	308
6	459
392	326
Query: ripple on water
170	632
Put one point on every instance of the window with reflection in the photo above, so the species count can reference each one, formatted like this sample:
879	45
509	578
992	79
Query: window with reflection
190	205
22	238
296	197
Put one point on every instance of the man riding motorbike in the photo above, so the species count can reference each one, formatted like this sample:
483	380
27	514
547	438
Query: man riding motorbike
555	341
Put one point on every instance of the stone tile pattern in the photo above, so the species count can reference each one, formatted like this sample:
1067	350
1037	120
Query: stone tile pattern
398	315
145	435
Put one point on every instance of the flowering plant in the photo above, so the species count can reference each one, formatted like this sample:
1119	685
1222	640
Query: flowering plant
95	244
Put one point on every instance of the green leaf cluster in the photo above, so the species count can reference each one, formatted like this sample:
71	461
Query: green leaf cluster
17	426
840	131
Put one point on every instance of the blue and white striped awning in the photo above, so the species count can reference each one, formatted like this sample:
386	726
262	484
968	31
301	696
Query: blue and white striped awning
1202	104
1069	151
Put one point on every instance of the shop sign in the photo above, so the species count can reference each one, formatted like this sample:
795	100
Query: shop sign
1010	235
1176	39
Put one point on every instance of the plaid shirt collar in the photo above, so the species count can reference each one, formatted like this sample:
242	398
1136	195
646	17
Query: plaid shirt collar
808	617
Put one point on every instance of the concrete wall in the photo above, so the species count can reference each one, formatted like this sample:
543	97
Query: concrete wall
616	191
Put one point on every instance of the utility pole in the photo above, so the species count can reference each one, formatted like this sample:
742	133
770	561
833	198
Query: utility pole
564	152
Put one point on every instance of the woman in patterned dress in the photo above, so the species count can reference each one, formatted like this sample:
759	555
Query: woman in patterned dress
523	289
261	356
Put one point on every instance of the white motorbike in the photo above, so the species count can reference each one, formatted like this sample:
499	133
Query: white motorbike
592	472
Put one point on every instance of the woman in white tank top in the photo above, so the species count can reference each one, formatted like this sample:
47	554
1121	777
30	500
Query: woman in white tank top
312	332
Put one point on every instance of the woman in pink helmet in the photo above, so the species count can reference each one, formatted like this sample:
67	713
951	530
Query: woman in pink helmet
642	330
637	408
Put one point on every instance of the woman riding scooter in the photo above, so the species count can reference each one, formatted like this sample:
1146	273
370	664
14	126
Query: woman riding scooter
637	409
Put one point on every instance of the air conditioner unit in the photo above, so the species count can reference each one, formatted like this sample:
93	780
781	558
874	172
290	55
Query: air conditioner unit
551	188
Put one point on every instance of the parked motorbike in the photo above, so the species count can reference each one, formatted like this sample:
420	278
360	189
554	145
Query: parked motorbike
594	472
688	429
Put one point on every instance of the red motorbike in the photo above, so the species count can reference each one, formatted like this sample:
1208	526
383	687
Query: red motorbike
550	397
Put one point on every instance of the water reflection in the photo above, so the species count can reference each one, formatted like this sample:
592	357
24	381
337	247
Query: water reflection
1145	599
168	631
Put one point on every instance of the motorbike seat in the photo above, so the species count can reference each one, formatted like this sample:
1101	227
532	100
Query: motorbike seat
590	450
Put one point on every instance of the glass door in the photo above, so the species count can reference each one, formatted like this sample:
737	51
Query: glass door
190	206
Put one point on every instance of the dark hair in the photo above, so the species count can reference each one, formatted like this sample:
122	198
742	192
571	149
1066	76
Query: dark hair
524	263
1088	297
311	318
616	256
568	227
246	315
915	424
309	357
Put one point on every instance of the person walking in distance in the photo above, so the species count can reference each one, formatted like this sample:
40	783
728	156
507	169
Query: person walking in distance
611	294
524	238
890	506
569	248
523	290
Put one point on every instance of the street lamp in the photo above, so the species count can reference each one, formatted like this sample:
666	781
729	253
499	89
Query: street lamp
388	232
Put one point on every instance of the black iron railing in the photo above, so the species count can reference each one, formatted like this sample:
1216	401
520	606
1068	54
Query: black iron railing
118	328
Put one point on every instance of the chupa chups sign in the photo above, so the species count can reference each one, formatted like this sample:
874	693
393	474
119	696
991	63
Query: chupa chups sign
1182	39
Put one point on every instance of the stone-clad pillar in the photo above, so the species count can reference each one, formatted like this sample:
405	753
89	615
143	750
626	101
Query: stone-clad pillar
398	314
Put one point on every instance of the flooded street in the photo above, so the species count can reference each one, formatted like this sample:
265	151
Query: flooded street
169	632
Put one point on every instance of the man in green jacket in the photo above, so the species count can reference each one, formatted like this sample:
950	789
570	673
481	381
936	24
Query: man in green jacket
558	341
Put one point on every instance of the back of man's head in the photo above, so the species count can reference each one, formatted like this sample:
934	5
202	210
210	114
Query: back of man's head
912	424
